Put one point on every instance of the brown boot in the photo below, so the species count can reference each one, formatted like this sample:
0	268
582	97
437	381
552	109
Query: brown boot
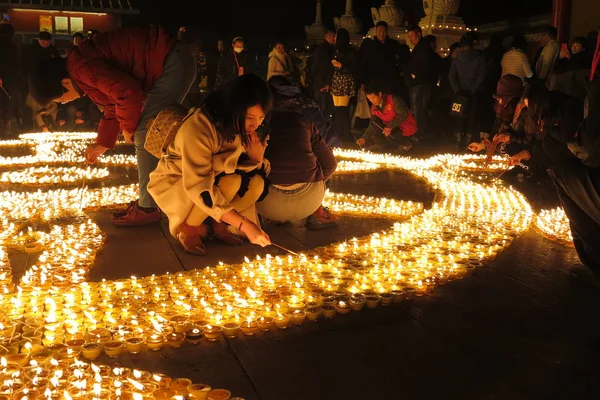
223	234
191	237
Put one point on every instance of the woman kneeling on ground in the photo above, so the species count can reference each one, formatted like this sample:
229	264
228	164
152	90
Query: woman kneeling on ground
215	168
301	163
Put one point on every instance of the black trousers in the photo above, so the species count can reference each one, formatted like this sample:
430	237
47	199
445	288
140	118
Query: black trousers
578	188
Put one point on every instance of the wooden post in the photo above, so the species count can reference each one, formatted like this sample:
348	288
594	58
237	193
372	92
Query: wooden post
561	18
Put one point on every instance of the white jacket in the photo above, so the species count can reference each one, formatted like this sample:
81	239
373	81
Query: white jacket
278	64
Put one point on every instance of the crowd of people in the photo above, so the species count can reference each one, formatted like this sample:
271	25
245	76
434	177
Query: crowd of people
250	146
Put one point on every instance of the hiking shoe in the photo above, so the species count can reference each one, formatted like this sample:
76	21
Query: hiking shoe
321	219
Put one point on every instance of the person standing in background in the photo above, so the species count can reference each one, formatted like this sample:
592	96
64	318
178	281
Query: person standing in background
321	73
549	54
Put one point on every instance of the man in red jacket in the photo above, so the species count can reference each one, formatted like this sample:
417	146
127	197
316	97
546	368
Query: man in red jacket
392	123
132	74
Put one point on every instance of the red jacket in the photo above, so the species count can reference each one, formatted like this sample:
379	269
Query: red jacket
393	113
116	70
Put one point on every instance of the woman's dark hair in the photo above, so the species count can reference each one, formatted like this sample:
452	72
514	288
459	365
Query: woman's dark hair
226	108
519	42
45	82
453	47
467	41
538	98
342	39
581	40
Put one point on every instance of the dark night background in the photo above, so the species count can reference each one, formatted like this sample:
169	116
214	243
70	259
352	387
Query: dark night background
262	21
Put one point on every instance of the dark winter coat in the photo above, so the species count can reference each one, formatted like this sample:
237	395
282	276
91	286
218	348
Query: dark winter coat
468	71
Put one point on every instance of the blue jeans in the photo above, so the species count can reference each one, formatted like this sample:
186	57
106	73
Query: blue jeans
419	104
179	72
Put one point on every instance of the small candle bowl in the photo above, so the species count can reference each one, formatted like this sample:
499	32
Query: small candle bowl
313	313
357	303
134	345
399	295
175	339
386	299
42	357
194	335
199	391
154	342
230	329
91	351
68	354
329	311
298	317
219	394
249	327
164	394
342	307
114	348
265	323
180	386
19	359
282	321
372	301
410	292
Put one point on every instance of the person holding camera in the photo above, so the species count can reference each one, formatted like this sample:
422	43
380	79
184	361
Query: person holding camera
214	170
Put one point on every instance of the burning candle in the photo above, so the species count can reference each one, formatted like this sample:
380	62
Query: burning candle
155	341
298	317
249	327
282	321
175	339
265	323
211	332
342	307
194	335
164	394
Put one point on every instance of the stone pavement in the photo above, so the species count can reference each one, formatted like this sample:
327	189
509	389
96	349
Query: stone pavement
522	327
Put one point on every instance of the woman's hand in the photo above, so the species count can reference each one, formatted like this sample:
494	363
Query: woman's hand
523	155
336	63
93	152
255	234
502	138
255	149
476	147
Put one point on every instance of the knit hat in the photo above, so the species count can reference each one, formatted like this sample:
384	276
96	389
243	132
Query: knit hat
509	86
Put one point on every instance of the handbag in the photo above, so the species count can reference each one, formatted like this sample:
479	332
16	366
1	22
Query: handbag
162	129
458	106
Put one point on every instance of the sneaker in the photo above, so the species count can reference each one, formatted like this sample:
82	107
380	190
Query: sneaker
122	213
321	219
136	216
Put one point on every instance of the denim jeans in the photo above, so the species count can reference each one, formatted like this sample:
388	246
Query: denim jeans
179	72
419	104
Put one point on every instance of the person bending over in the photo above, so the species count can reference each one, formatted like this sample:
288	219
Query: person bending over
132	74
392	123
214	170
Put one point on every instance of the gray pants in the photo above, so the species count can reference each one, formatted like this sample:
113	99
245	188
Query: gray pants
179	72
283	206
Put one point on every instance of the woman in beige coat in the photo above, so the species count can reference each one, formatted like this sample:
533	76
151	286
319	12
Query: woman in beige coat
215	168
280	63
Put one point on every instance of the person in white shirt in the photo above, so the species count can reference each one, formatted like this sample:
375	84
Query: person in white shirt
515	61
545	63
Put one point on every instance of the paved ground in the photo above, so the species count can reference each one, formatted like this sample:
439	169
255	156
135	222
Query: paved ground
522	327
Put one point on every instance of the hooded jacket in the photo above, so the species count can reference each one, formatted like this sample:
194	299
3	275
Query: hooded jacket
116	70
